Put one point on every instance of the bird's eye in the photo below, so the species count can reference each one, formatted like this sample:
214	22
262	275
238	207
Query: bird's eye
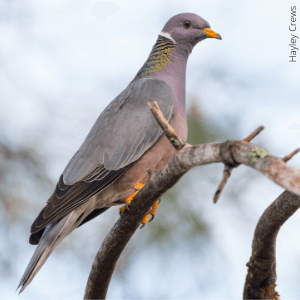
187	24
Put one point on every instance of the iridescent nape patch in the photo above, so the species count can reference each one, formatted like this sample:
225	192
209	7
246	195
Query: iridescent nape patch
159	57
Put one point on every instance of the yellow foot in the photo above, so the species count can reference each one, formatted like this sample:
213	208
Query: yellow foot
152	214
138	186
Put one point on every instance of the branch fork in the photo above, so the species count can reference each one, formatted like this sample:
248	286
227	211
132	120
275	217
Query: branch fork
232	154
230	166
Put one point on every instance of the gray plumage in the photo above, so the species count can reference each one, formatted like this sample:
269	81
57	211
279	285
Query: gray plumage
123	131
124	142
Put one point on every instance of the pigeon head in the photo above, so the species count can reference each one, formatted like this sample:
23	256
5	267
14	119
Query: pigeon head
174	44
188	29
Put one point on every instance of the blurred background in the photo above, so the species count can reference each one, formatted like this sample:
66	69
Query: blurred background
63	61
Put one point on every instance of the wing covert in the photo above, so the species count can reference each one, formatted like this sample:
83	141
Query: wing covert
123	131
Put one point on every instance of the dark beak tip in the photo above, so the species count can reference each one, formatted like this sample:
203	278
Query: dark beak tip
219	37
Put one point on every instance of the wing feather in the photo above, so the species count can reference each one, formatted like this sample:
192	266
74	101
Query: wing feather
123	132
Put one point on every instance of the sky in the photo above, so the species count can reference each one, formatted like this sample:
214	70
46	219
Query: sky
62	62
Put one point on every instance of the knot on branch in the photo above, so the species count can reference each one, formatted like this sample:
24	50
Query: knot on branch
261	264
226	154
151	172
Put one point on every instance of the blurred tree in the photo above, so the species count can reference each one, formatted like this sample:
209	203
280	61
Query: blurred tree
200	130
22	180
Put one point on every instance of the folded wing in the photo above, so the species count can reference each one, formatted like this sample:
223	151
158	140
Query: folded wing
123	132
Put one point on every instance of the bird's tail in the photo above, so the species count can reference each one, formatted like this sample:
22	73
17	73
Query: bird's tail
52	236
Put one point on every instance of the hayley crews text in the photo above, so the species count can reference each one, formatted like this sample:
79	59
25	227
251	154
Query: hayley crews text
294	37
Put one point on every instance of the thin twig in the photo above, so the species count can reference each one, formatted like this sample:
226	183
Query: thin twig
251	136
228	168
166	127
226	174
288	157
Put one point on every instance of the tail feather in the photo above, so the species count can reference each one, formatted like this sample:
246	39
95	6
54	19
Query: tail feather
52	236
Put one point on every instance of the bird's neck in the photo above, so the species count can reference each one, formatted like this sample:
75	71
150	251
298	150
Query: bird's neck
167	62
158	59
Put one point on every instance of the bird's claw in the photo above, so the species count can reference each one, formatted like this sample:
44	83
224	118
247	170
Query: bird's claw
142	226
151	214
122	209
151	218
145	220
127	206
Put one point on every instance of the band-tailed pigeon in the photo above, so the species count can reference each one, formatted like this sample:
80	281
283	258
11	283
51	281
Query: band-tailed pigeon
125	141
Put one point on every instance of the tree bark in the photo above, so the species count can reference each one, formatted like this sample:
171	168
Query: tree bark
231	153
261	278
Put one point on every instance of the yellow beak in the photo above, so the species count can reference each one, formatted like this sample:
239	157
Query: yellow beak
210	33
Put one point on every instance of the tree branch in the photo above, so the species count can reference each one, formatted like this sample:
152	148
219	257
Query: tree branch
230	152
228	168
261	277
166	127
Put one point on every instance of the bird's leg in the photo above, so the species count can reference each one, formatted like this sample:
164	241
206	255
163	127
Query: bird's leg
152	214
128	200
153	209
138	186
